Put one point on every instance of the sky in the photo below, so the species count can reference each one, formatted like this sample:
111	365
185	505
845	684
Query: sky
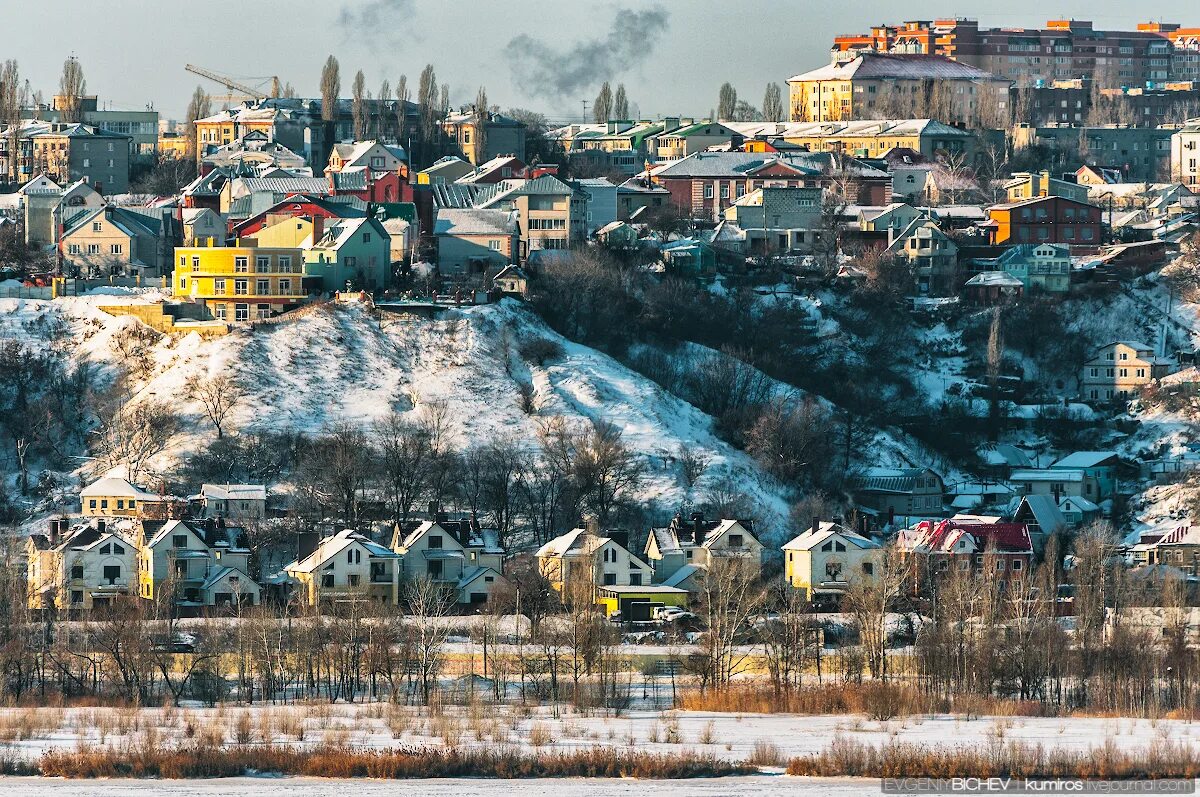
672	55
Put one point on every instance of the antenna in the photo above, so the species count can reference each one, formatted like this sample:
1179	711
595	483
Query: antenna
585	105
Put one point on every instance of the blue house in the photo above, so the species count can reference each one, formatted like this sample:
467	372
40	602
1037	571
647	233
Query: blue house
1099	470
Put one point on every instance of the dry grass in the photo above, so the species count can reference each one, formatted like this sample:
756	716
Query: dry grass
847	757
539	734
766	754
339	762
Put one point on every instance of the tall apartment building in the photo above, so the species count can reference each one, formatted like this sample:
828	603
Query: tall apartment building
1185	154
1063	50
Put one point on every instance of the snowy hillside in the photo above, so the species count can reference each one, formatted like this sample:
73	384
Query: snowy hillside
340	364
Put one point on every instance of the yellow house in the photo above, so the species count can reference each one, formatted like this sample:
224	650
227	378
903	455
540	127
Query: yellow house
1119	370
113	497
173	145
347	566
582	560
240	283
287	232
822	562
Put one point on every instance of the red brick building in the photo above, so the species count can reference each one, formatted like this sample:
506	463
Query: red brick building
1048	219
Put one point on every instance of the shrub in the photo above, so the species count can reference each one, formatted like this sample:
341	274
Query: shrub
539	351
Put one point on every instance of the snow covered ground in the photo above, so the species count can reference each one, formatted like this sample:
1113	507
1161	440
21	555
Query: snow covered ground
729	736
766	785
342	365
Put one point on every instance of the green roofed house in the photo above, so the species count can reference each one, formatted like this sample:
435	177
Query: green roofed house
688	139
1039	267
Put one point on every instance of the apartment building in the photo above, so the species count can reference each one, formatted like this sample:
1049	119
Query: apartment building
1063	49
240	283
1119	370
1185	154
900	86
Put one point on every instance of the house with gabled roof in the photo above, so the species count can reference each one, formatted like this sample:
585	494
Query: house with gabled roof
696	543
347	566
195	564
1099	472
357	251
460	555
824	561
110	240
905	492
114	497
1118	370
967	545
234	501
584	558
930	253
81	568
473	240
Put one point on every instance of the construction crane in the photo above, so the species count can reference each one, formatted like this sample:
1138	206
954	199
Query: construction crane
247	92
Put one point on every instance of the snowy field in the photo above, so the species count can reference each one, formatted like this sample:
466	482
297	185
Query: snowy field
767	785
729	736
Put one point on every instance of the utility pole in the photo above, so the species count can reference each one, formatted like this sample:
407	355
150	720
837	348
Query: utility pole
585	105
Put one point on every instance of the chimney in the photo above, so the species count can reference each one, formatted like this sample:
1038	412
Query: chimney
306	543
101	525
697	527
318	224
816	523
54	532
441	517
591	525
474	523
862	525
433	510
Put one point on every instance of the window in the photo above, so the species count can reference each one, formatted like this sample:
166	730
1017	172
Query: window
220	312
708	192
195	264
112	573
72	249
351	262
241	312
262	265
219	285
93	249
241	265
179	541
1017	564
87	162
435	541
434	568
263	287
869	568
76	596
610	579
119	550
115	249
327	580
120	503
97	226
285	286
241	287
181	568
76	571
285	264
353	579
735	540
366	237
92	504
494	245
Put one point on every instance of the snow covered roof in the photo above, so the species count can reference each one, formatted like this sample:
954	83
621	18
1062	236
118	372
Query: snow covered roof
235	492
994	279
333	545
682	575
1046	475
901	66
1044	511
113	486
1086	459
474	221
810	539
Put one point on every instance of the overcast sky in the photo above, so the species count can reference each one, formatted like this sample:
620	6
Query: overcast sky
672	55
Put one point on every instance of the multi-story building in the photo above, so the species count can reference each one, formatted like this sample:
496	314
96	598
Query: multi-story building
684	551
503	135
1185	154
583	559
827	558
141	127
705	184
900	86
778	219
1064	49
1139	153
550	214
867	138
67	153
931	254
1050	219
114	241
1027	185
80	569
240	283
193	565
349	254
1119	370
1040	267
347	565
1077	102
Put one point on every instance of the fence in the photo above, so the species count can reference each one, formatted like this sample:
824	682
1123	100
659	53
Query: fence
65	286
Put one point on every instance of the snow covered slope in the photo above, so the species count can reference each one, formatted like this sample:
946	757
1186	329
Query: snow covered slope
340	364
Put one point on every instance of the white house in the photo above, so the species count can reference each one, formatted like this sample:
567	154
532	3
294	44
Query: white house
823	561
237	501
458	554
584	557
347	566
696	544
80	569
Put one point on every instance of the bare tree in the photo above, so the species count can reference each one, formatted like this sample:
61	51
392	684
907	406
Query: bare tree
429	604
772	108
995	360
729	593
134	435
621	103
869	599
218	396
726	102
331	87
605	469
402	110
406	454
358	105
199	107
11	102
482	116
71	88
602	108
